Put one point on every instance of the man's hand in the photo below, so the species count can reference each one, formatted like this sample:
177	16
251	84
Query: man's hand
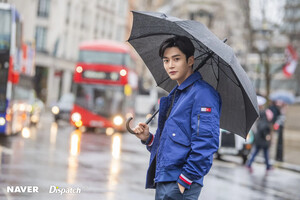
142	131
181	188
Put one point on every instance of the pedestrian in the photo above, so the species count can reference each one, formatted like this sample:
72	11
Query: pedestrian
262	135
188	127
278	107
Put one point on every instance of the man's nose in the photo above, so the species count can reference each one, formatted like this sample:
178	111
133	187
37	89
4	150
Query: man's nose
171	64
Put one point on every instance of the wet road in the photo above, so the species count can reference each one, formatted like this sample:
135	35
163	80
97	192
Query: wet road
62	163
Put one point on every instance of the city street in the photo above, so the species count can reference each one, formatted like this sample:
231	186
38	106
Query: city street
233	66
62	163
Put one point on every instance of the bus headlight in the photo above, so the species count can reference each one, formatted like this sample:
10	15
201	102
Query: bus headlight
118	120
123	72
76	117
78	123
2	121
55	110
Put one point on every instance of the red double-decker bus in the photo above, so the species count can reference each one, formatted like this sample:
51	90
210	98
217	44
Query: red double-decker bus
105	86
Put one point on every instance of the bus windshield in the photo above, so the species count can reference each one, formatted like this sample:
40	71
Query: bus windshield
5	24
102	100
100	57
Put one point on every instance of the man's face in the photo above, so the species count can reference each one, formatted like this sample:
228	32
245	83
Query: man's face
176	65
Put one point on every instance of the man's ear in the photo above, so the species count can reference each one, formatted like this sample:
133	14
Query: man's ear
191	60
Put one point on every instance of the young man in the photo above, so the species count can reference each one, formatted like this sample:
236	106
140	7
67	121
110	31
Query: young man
188	127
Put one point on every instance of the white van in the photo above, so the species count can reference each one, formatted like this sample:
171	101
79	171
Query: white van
232	144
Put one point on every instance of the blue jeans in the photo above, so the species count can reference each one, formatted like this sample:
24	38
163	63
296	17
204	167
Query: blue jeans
266	155
170	191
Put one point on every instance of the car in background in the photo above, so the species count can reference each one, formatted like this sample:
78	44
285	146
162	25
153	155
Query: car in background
233	144
62	109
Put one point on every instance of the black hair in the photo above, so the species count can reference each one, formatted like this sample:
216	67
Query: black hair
183	43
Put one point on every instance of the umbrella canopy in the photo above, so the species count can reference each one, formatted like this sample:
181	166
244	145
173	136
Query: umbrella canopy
283	96
216	61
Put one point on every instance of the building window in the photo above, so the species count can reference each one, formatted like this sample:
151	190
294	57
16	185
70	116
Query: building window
43	8
40	38
68	12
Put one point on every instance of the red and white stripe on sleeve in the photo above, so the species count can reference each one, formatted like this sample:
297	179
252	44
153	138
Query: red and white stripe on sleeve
185	179
151	141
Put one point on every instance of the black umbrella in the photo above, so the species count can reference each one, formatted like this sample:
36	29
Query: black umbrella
214	59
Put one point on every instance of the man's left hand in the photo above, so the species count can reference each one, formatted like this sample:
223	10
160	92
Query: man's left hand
181	188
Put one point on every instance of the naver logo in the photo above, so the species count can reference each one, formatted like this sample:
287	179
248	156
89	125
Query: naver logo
22	189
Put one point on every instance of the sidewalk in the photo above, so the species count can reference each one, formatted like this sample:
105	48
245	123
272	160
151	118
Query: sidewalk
291	139
290	152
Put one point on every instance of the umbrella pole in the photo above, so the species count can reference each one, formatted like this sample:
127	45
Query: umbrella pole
204	61
147	122
152	117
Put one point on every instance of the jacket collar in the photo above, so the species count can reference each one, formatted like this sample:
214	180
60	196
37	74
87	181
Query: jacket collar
190	80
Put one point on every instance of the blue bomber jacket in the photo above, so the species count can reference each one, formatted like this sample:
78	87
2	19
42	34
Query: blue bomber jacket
184	143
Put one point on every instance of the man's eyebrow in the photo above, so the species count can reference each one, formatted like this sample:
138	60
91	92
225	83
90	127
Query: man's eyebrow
176	55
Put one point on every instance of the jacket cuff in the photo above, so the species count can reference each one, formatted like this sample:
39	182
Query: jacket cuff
149	141
184	181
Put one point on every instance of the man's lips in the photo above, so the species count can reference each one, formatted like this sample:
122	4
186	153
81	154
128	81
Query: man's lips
172	72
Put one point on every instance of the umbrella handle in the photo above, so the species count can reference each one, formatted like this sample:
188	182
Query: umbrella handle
147	122
128	127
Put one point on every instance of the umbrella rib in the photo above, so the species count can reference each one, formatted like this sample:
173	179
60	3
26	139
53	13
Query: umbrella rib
202	54
201	49
237	84
213	69
218	74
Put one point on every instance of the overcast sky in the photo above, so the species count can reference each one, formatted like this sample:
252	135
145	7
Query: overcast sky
274	10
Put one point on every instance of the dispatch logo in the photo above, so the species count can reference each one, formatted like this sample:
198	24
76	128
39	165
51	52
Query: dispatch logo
62	190
22	189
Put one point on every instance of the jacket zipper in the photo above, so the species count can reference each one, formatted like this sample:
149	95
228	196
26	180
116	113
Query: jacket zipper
198	125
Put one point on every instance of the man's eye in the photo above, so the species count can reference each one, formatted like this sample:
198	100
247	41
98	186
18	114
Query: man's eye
165	61
176	59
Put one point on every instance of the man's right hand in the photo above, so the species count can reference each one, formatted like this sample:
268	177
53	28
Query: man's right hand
142	131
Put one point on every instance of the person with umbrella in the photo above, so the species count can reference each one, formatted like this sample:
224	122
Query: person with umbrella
188	131
262	134
201	72
280	101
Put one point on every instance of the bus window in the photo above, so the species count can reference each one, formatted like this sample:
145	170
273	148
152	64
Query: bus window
3	82
97	57
19	34
5	27
21	93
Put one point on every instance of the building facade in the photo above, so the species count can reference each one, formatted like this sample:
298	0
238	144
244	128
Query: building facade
58	27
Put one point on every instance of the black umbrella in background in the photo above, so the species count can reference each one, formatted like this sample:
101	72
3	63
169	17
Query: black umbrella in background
214	59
